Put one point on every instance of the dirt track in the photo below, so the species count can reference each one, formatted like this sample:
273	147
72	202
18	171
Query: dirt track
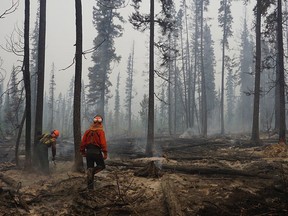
215	176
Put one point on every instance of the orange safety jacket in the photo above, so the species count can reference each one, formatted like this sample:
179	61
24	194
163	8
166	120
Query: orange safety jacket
94	135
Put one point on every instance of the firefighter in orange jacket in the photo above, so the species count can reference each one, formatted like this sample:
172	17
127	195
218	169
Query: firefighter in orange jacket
94	148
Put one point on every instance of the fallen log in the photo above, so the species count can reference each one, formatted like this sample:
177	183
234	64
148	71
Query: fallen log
232	158
187	147
121	163
7	166
208	171
173	204
187	169
14	193
9	181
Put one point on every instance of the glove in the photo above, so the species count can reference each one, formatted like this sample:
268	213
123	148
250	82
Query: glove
105	155
53	158
83	154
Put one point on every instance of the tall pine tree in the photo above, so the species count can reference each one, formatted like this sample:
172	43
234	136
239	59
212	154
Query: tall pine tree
104	16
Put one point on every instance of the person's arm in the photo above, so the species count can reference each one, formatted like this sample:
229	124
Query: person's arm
83	144
103	144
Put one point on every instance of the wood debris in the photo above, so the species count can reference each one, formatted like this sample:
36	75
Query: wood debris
150	170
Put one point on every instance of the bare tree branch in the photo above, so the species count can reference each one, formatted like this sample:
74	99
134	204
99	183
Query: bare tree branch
73	62
93	49
2	71
161	99
84	53
14	43
10	10
161	76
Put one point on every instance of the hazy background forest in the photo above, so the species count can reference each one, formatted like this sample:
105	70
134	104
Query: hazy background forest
193	95
123	67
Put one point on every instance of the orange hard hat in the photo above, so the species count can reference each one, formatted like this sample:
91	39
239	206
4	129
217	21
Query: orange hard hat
55	133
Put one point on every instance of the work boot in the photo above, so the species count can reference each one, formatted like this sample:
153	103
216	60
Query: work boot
90	178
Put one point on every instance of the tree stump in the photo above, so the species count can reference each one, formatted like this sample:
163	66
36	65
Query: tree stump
149	171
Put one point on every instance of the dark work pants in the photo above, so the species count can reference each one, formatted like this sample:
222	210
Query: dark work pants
93	155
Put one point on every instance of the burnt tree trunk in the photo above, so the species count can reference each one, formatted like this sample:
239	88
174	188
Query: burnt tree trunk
255	127
78	163
150	134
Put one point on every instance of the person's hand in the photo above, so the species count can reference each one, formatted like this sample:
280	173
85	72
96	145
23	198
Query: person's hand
105	155
83	154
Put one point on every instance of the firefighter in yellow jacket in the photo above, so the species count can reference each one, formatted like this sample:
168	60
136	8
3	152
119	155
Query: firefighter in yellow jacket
46	141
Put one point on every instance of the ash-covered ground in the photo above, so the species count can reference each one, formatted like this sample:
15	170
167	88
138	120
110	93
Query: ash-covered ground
188	176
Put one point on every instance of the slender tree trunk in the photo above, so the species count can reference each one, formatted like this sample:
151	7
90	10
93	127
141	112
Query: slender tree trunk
286	22
130	92
223	72
102	101
175	94
169	89
41	68
255	126
193	111
188	70
277	98
282	117
150	132
184	81
52	90
203	81
27	84
18	142
78	163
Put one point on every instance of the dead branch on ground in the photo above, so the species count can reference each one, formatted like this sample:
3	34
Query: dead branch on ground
173	204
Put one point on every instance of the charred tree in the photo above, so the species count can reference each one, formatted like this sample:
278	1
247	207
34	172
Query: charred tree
141	21
225	19
26	75
255	126
282	119
41	72
203	79
78	162
150	134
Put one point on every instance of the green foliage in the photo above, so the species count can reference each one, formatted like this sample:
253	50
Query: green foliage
104	15
230	87
117	102
165	19
13	106
51	99
225	20
209	65
144	110
129	81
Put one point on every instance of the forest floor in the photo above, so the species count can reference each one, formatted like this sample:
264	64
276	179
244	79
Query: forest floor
190	176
